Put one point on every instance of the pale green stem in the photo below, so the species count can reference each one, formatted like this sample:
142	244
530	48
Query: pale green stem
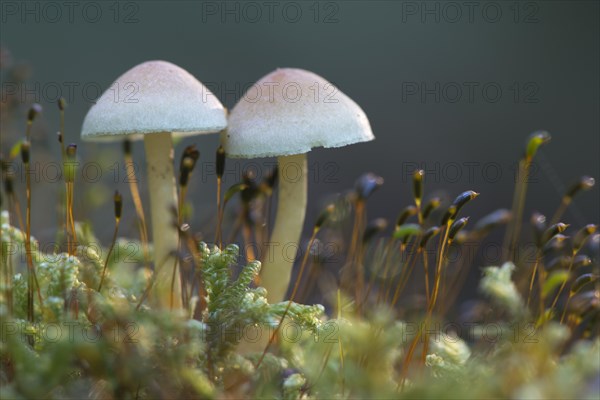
291	209
163	198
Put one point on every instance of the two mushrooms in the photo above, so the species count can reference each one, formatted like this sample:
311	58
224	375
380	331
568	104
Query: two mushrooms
285	114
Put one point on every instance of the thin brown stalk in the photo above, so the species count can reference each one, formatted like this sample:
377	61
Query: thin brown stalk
404	265
218	239
351	258
110	250
63	154
360	274
341	348
541	282
407	360
196	259
514	227
431	303
564	204
268	204
404	280
32	279
236	228
438	271
139	209
9	268
426	272
8	273
532	279
152	281
374	273
385	289
310	281
182	193
456	285
70	194
249	245
562	287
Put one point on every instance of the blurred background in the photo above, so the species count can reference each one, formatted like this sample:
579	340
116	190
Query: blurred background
453	88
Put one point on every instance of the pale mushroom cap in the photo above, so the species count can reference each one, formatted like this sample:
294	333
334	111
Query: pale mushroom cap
290	111
153	97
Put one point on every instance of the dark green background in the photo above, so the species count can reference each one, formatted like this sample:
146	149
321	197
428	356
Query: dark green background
369	49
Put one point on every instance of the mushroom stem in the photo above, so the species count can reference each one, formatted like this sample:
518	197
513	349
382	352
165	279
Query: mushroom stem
163	197
291	209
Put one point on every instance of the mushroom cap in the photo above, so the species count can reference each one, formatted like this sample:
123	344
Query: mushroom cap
290	111
154	97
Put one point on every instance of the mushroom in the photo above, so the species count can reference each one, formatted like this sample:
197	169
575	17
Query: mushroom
153	101
286	114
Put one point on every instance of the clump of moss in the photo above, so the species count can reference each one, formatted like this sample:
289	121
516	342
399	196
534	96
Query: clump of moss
90	342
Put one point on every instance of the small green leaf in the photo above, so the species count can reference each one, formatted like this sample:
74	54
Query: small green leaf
238	187
15	150
545	317
535	141
407	230
555	279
